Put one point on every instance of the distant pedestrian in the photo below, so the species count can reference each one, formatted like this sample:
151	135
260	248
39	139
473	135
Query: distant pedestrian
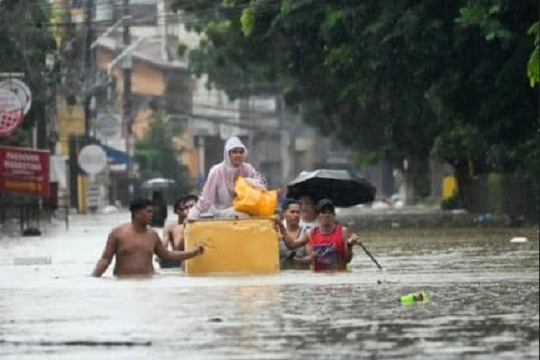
160	210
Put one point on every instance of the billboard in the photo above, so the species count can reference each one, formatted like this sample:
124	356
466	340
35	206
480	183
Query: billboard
24	171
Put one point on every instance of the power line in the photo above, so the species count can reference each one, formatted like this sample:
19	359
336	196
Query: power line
189	15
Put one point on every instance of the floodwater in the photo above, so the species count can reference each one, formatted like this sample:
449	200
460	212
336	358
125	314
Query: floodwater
484	303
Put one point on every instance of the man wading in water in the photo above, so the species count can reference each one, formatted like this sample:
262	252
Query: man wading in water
135	244
173	234
330	245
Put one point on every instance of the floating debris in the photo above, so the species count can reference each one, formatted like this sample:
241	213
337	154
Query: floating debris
412	298
519	240
32	261
216	320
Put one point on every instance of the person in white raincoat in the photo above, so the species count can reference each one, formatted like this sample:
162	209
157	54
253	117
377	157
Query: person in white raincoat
219	193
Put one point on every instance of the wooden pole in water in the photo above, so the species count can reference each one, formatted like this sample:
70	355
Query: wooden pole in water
371	256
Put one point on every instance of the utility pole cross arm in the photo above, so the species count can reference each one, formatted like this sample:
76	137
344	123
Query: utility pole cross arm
110	30
124	53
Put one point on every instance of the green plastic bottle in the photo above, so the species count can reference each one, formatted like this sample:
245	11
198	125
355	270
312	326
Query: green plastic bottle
412	298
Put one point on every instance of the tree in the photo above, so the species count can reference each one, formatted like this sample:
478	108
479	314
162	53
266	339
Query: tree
25	42
533	70
396	77
493	124
156	153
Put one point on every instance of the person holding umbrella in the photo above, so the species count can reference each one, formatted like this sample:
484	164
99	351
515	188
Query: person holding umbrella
160	210
334	188
330	246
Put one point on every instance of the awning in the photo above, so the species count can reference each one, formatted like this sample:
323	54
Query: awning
118	160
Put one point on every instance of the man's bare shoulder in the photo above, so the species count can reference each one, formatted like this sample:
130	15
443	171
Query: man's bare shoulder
121	229
174	226
169	227
153	234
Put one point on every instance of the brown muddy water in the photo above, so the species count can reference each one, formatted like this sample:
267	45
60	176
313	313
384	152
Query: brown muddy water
484	303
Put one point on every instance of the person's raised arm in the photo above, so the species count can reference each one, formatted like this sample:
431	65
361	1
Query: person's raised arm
306	260
107	256
349	240
167	255
290	241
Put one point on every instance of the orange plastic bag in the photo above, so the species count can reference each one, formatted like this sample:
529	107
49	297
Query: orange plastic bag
252	201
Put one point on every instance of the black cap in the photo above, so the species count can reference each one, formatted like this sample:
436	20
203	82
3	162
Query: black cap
326	204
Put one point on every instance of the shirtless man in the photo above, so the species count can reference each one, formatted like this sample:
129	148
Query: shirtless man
135	244
173	234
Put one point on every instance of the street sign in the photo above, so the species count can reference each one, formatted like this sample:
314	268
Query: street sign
21	90
93	159
93	196
11	112
109	126
24	171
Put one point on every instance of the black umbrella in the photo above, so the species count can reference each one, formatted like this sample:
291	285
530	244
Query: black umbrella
342	187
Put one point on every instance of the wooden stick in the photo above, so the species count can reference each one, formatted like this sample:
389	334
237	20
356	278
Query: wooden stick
371	256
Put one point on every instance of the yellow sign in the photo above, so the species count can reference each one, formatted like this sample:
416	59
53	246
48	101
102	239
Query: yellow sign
70	122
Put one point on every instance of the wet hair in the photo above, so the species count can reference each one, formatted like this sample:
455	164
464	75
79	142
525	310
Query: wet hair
193	198
326	205
138	205
287	205
179	203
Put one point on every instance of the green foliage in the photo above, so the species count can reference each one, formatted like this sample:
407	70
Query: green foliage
461	142
487	16
25	42
496	192
533	66
183	49
396	77
368	158
156	153
248	21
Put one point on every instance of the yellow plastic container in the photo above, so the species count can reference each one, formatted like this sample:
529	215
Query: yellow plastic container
233	246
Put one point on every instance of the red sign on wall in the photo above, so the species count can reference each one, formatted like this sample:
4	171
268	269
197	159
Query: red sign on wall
24	171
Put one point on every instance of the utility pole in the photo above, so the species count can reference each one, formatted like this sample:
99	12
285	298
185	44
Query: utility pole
127	93
88	15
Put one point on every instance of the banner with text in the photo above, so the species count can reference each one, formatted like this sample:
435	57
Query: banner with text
24	171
